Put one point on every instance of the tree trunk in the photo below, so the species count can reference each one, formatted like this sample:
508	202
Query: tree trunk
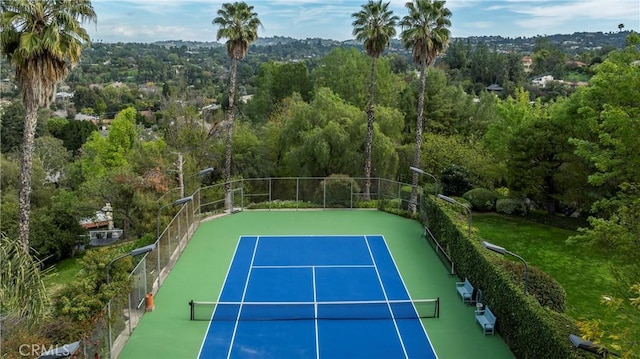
24	210
369	140
229	124
418	150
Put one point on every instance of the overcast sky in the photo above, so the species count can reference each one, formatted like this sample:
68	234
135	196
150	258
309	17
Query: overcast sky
156	20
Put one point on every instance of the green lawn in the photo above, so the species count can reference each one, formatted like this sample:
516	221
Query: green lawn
63	273
584	272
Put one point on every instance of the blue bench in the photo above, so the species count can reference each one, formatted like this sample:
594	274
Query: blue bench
486	319
465	289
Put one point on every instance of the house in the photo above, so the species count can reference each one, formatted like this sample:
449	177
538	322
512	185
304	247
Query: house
63	96
83	117
100	226
246	98
542	81
494	88
527	63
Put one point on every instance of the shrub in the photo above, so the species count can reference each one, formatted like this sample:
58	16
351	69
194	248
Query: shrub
512	207
547	291
456	180
481	199
372	203
278	204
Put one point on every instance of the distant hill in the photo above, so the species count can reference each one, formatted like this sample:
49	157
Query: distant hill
569	43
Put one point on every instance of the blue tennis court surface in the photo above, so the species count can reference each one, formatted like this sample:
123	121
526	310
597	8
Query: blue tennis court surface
314	297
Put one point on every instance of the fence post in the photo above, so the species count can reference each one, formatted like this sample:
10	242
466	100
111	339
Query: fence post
297	192
109	326
168	232
324	193
379	189
130	314
269	193
351	196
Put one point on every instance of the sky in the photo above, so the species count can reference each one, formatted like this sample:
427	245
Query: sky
158	20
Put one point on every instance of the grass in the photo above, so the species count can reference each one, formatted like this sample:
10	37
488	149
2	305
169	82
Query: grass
585	272
63	273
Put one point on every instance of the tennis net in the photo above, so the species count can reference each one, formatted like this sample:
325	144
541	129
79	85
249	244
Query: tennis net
334	310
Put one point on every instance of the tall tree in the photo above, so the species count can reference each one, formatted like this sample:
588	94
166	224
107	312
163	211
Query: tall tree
374	25
239	25
41	38
426	32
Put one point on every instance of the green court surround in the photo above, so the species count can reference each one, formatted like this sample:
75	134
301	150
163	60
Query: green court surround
200	272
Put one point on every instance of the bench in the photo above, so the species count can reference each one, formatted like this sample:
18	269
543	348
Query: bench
465	289
486	319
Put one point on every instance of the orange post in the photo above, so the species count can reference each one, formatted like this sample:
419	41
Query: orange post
148	301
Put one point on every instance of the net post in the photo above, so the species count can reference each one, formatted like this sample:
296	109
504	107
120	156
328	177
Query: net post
438	307
191	309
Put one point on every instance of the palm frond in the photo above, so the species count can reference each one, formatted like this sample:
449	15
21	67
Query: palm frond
238	23
22	292
374	25
425	29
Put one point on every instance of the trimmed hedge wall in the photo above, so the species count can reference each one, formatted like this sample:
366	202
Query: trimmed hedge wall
529	329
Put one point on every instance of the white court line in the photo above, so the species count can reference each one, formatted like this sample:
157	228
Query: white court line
395	324
312	266
220	294
433	350
315	309
244	293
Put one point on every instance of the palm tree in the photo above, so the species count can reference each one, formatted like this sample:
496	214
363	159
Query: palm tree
374	25
22	292
239	25
42	39
426	31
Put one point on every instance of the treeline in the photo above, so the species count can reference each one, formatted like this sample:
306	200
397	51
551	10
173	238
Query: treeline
311	121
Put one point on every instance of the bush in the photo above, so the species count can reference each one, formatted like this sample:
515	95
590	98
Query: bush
481	199
372	203
456	180
547	291
278	204
512	207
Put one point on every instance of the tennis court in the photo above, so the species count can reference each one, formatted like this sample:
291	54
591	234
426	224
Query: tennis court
216	267
314	297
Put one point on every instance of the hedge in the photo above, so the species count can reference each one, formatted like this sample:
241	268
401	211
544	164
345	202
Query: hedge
529	329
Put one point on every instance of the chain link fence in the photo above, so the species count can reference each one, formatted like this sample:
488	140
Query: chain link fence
121	315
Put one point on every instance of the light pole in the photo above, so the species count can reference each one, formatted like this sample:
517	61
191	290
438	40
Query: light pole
133	253
435	180
177	202
501	250
453	201
200	173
